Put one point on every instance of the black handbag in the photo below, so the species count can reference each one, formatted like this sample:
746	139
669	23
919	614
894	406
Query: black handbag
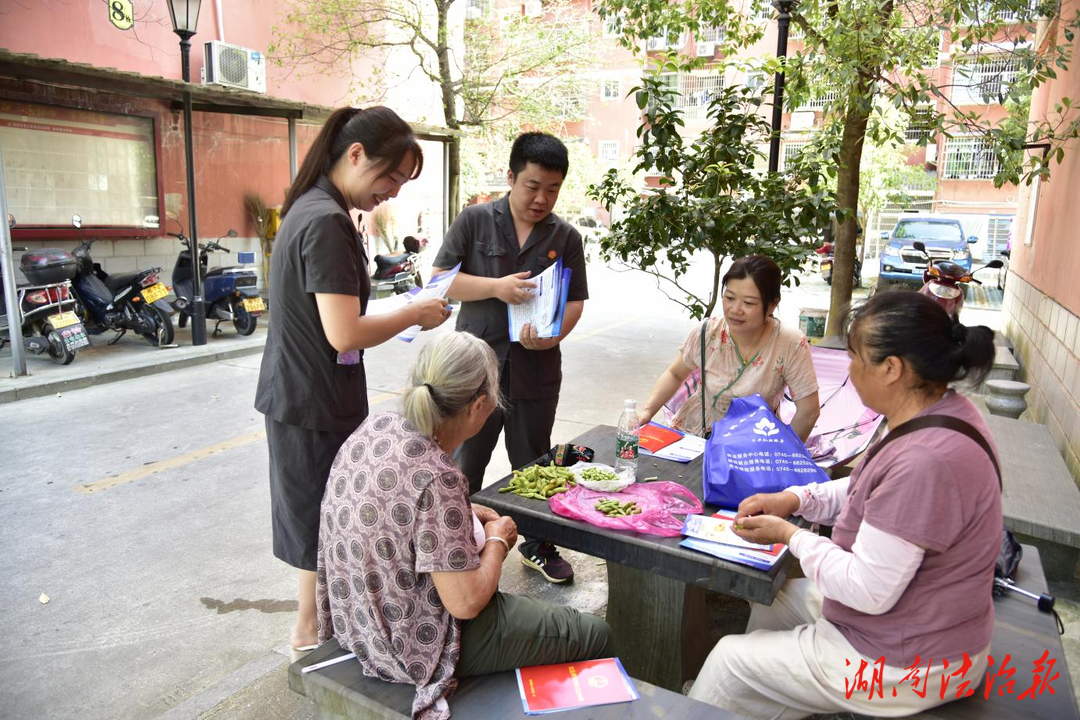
1010	552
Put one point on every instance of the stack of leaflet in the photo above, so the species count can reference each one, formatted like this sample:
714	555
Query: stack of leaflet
546	308
713	535
553	688
669	444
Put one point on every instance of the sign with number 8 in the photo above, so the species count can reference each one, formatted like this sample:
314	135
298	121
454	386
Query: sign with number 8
121	14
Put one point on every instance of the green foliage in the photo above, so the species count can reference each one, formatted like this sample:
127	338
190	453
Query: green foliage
711	199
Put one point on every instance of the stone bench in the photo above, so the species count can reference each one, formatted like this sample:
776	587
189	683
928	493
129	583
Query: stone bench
1022	632
343	692
1040	499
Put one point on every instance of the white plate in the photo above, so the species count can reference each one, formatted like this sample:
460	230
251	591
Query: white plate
619	484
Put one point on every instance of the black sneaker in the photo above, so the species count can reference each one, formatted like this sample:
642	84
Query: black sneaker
545	559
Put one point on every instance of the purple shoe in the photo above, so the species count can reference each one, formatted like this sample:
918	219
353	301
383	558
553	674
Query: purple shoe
545	559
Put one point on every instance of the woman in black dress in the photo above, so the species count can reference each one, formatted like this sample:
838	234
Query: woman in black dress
312	388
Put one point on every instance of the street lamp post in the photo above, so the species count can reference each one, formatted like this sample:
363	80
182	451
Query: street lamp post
783	20
185	17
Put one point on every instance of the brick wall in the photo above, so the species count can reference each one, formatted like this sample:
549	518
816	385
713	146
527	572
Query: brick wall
1046	339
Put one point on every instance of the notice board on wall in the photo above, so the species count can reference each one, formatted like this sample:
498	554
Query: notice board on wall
61	161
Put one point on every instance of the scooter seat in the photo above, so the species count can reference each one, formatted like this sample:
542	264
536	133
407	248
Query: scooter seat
115	282
215	271
385	262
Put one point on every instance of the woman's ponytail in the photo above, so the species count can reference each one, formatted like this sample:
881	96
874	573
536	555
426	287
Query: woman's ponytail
385	137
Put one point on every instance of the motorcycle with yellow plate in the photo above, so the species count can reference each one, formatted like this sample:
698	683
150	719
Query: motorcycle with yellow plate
121	302
230	293
46	305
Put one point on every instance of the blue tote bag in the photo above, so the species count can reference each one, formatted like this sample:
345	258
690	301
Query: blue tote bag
750	451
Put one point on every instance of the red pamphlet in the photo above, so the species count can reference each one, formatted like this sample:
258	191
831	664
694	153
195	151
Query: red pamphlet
654	437
553	688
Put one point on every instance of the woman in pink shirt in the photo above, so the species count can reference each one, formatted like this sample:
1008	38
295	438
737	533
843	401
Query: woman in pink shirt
747	351
900	596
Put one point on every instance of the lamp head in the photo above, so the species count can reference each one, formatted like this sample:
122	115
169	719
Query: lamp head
185	16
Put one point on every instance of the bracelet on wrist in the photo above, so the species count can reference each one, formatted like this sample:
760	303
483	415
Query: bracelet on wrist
496	538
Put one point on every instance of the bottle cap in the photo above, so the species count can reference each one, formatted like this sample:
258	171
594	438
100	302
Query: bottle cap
630	404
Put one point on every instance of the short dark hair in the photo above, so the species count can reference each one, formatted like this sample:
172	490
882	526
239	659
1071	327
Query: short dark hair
763	271
914	328
545	150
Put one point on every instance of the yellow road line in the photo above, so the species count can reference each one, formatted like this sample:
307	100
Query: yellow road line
180	460
602	329
173	462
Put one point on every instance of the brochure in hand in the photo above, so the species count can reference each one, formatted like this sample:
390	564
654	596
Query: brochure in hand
546	308
553	688
436	287
746	555
669	444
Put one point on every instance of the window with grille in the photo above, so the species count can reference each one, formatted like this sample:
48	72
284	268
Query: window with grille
919	125
476	9
756	79
983	81
664	42
986	12
792	150
613	26
818	102
607	151
969	158
610	90
706	39
765	12
694	92
998	231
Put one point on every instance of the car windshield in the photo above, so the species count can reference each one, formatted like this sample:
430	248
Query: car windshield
929	231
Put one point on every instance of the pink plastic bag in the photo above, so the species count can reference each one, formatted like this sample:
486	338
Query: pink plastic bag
659	501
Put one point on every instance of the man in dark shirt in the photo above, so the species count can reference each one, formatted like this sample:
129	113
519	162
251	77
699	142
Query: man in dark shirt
500	245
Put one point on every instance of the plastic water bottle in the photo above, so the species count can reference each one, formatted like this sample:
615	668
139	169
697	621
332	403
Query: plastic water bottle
626	440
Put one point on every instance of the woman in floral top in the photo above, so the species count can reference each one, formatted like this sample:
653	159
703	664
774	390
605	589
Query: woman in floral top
747	351
408	568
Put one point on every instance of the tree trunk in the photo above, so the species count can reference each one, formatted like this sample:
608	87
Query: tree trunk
454	179
847	198
449	103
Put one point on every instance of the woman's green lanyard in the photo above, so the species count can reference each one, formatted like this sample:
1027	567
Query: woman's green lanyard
743	364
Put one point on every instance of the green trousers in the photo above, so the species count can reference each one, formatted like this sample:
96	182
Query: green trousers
516	631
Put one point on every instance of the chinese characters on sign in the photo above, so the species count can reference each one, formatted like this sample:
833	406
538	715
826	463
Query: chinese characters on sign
918	676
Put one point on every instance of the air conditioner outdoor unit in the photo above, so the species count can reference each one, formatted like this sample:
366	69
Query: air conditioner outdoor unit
534	8
705	49
931	153
234	66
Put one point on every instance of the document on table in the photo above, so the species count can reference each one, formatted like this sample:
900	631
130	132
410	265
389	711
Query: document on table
669	444
436	287
545	310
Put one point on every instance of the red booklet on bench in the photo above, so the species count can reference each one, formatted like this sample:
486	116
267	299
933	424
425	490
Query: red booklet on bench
552	688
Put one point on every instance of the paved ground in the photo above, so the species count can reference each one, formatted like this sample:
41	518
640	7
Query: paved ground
140	508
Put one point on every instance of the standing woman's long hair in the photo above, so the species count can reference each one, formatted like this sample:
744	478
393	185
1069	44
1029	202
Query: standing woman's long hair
386	139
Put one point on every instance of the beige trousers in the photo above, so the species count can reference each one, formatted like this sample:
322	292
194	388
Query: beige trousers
792	663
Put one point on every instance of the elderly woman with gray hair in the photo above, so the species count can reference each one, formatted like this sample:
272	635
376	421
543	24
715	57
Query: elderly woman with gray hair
408	569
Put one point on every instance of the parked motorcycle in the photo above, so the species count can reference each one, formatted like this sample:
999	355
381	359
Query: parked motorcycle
397	273
230	293
944	281
825	265
46	311
128	301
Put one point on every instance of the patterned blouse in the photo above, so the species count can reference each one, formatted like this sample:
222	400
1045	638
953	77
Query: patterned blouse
783	361
396	509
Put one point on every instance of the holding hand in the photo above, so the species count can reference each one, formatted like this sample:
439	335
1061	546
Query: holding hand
504	527
431	313
763	529
484	514
781	504
531	341
515	289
